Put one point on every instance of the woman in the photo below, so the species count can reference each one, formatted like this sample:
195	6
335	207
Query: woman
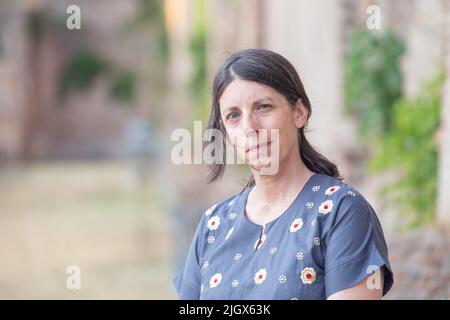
300	233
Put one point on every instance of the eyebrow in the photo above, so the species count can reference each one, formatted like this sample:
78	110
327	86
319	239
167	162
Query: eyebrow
257	101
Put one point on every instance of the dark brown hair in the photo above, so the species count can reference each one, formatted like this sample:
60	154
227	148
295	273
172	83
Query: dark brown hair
271	69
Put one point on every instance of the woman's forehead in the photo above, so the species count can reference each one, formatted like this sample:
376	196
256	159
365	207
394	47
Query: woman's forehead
240	92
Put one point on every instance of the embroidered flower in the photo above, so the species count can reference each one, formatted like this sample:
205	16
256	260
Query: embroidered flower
211	239
308	275
237	256
205	265
351	193
235	283
273	250
299	255
332	190
229	233
260	276
326	207
316	241
232	215
309	205
215	280
315	188
296	225
282	279
259	242
213	223
210	210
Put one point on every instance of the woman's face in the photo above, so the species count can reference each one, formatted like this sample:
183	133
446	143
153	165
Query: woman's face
248	109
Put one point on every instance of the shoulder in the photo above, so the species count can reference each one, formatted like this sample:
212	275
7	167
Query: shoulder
215	221
342	208
222	207
337	200
331	185
217	215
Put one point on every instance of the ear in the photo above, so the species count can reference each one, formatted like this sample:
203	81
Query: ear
300	114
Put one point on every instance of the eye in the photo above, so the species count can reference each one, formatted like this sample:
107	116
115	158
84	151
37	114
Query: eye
263	106
232	116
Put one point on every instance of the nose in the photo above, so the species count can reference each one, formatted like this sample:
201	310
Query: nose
249	125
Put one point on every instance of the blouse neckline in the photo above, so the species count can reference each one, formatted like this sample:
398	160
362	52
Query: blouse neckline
244	198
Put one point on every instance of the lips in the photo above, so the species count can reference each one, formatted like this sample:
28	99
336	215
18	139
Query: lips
258	146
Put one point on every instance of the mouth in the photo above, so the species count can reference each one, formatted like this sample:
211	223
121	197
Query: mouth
258	146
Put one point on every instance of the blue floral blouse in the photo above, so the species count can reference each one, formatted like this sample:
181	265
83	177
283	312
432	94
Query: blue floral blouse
328	240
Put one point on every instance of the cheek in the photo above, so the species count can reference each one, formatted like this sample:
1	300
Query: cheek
286	129
236	137
290	136
281	118
287	139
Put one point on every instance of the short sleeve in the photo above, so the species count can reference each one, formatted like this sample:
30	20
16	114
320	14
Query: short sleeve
187	280
354	246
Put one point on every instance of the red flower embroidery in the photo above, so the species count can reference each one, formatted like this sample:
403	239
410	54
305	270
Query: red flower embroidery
326	206
308	275
296	225
260	276
213	223
215	280
332	190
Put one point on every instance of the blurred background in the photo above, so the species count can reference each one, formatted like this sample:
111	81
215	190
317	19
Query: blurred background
86	116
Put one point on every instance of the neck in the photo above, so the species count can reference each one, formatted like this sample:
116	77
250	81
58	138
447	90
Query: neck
291	176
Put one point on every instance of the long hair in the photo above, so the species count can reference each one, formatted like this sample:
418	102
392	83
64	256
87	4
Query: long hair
271	69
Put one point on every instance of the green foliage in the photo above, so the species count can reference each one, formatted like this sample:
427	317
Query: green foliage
400	128
81	70
410	148
373	80
162	51
150	10
85	66
151	15
198	82
122	86
36	22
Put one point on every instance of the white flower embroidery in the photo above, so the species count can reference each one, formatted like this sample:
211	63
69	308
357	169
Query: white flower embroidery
232	215
308	275
309	205
273	250
215	280
235	283
299	255
259	242
213	223
211	239
351	193
315	188
296	225
326	207
210	210
282	278
205	265
316	241
229	233
332	190
237	256
260	276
